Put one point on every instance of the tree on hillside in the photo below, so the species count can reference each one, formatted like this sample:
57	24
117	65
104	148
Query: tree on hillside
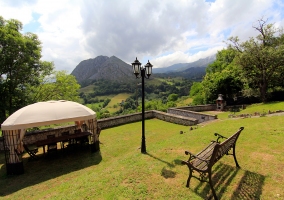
261	59
172	97
20	65
222	77
226	82
196	92
223	59
57	86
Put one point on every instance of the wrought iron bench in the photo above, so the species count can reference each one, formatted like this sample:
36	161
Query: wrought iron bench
203	161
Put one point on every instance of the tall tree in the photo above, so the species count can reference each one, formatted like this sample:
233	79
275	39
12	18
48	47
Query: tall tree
20	65
261	59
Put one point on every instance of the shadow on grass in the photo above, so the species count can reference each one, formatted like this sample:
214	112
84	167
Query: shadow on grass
166	173
169	164
46	168
249	187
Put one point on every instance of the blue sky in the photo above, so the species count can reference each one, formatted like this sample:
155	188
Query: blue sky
164	31
33	25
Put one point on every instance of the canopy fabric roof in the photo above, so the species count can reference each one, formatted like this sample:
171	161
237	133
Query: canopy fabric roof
46	113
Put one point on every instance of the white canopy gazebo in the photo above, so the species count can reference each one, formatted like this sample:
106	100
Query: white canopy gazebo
40	114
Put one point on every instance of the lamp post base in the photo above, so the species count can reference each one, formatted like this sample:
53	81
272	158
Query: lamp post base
143	147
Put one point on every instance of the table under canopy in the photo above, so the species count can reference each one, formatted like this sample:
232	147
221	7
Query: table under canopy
41	114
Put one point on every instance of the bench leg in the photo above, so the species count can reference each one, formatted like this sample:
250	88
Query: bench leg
189	177
211	185
235	158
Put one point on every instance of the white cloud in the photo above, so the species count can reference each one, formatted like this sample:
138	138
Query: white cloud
166	31
24	14
181	57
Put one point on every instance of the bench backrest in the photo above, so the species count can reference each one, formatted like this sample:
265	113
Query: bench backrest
223	148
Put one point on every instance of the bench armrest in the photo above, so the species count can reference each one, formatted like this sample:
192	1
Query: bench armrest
219	136
192	156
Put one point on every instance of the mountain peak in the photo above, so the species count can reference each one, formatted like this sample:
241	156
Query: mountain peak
102	67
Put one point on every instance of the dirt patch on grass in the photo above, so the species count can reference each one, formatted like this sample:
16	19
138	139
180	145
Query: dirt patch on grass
263	156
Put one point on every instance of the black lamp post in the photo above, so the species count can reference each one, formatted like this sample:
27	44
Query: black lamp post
137	95
144	72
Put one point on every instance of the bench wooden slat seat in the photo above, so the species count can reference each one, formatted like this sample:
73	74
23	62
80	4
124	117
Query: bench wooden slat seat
203	161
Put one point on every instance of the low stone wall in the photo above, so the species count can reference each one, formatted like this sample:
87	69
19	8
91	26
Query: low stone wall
124	119
200	117
177	119
135	117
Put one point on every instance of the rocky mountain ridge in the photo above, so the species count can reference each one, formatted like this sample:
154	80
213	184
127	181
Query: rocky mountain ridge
114	69
103	67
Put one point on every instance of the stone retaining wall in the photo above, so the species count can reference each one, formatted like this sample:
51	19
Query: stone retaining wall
177	119
200	117
124	119
199	108
135	117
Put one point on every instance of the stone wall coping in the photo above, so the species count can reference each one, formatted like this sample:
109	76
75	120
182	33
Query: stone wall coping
124	116
189	111
175	116
197	106
149	112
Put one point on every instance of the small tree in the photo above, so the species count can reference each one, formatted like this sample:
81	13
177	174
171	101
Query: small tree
172	97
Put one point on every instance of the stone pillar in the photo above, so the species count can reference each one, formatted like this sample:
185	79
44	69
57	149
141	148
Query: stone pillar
220	103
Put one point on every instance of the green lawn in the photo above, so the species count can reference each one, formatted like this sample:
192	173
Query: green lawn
120	171
251	109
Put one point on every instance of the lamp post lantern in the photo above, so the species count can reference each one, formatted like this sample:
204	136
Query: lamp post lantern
145	72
